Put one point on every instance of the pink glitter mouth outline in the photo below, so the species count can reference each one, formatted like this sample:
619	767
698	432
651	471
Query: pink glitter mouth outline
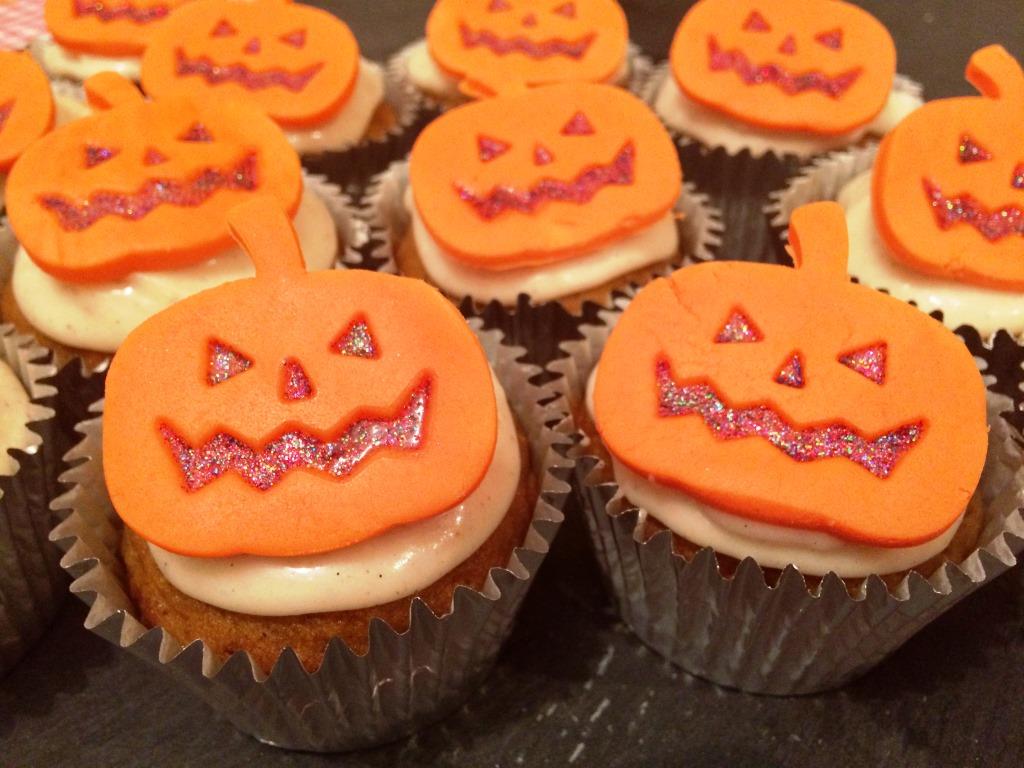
993	225
107	12
295	449
152	194
542	49
878	456
242	74
5	112
588	182
791	83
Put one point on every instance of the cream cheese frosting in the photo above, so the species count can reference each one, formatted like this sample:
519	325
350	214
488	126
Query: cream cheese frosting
772	546
871	262
348	126
59	61
716	129
14	416
98	316
396	564
657	242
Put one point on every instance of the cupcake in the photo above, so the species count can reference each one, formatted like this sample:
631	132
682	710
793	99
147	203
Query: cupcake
300	64
317	457
779	427
122	213
478	48
937	217
87	37
563	193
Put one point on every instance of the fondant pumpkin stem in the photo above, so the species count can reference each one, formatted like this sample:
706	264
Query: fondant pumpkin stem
996	74
818	240
108	89
266	234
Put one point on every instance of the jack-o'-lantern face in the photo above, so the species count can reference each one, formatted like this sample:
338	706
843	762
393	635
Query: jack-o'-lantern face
496	45
820	66
298	63
796	398
948	183
295	413
107	28
26	105
144	185
542	176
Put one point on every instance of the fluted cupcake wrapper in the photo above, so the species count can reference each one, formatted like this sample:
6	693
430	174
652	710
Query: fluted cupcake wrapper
405	681
790	638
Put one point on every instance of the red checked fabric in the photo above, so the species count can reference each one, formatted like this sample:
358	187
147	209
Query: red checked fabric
20	21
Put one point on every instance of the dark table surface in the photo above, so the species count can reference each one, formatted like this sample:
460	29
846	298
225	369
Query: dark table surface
573	686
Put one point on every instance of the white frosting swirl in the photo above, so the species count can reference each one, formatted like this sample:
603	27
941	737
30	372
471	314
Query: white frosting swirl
347	126
871	262
14	416
98	316
772	546
717	129
58	61
652	244
396	564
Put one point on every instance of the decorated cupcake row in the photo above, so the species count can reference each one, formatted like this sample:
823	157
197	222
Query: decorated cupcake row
339	490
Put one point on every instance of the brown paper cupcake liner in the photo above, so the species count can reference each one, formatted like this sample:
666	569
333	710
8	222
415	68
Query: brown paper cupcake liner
791	637
738	183
405	681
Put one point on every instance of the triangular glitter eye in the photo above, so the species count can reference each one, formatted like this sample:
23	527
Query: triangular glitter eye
196	132
869	362
566	9
791	373
738	329
970	151
542	155
225	362
756	23
1017	181
296	39
94	155
498	5
295	382
356	341
223	29
832	39
578	125
153	156
489	148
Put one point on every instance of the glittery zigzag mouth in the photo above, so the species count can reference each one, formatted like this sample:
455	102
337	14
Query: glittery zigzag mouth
263	468
243	75
126	11
792	83
586	184
992	224
535	49
153	193
5	112
878	456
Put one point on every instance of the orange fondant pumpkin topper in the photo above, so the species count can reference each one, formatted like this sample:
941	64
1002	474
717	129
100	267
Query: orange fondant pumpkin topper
538	177
503	45
144	185
298	63
795	397
26	105
948	184
295	413
107	27
820	66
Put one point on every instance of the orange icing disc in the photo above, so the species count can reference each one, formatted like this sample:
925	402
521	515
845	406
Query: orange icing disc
294	413
542	176
796	398
298	63
498	45
107	27
948	183
144	185
26	105
819	66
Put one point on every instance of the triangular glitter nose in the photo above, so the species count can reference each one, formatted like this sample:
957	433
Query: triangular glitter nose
223	29
971	151
788	46
756	23
530	20
738	328
489	148
295	382
253	46
1017	180
869	362
578	125
153	156
356	341
792	372
832	39
196	132
498	5
224	362
542	155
